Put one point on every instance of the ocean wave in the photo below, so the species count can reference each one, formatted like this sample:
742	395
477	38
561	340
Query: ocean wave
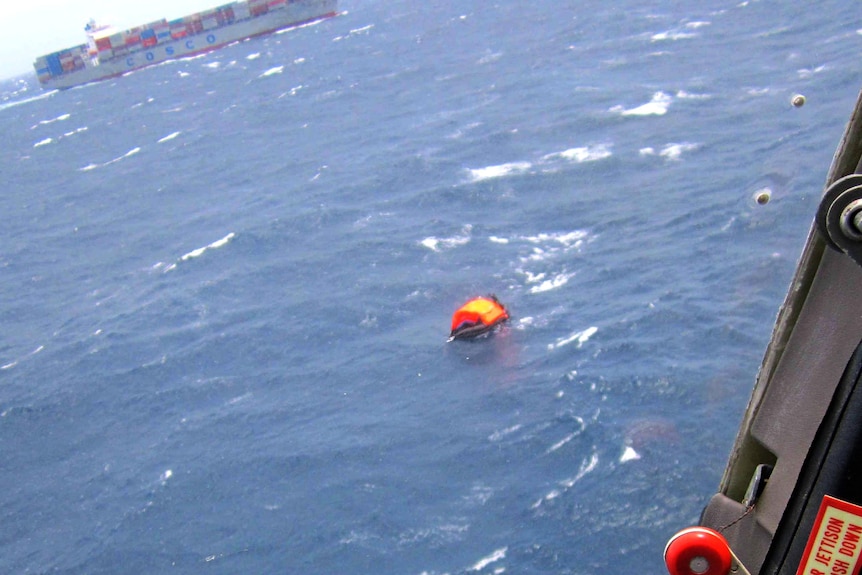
672	35
568	239
555	282
498	435
683	95
578	155
14	103
492	558
272	71
355	32
169	137
569	437
581	337
680	33
657	106
582	154
436	244
12	364
49	140
629	454
201	251
587	466
128	154
672	151
60	118
498	171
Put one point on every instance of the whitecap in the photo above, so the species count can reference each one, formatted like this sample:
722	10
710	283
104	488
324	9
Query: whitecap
128	154
272	71
492	558
587	466
59	118
683	95
629	454
44	142
436	244
674	151
672	35
582	154
489	58
77	131
42	96
533	278
567	239
498	435
555	282
169	137
581	337
497	240
253	56
200	251
354	32
806	73
567	438
657	106
499	171
293	91
216	244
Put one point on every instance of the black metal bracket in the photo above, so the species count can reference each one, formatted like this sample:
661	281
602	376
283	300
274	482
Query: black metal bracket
839	217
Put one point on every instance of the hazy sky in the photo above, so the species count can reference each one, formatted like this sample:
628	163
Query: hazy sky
32	28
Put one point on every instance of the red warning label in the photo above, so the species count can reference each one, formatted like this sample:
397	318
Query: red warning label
835	544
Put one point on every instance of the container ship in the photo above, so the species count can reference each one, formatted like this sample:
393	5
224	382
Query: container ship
109	52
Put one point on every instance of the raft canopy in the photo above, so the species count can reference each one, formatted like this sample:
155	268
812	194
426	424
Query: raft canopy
476	317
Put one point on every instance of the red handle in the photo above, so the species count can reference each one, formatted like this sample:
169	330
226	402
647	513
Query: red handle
698	551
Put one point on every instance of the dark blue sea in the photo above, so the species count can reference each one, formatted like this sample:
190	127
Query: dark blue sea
226	285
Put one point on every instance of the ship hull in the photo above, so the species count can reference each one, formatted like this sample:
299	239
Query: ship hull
290	15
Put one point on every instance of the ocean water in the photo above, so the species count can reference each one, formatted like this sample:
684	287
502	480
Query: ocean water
226	285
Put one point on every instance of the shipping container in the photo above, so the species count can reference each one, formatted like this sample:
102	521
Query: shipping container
54	64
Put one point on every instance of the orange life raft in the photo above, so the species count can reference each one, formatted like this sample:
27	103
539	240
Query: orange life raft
476	317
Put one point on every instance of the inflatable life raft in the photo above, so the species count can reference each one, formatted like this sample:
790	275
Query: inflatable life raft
476	317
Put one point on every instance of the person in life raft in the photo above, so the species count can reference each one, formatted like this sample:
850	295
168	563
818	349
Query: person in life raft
477	317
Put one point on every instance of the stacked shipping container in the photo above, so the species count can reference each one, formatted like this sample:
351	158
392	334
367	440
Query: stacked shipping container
106	45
